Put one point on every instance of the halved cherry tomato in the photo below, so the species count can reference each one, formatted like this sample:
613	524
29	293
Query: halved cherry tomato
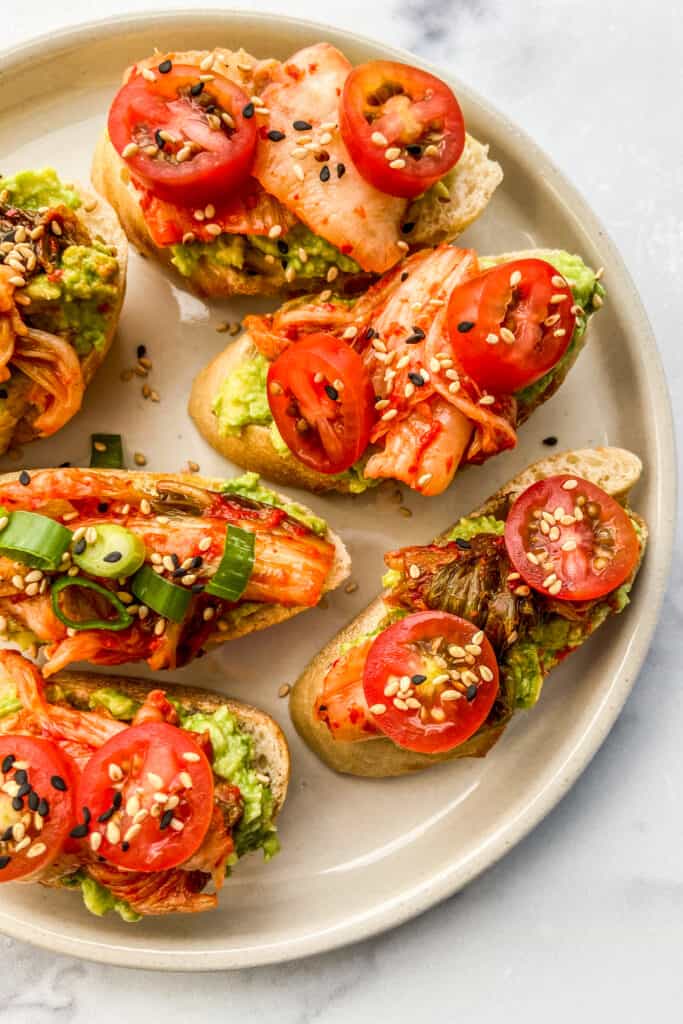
430	681
201	157
402	126
322	401
570	540
149	793
511	324
36	804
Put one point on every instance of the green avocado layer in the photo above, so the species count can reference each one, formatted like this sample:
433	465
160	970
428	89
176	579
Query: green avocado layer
299	253
241	399
75	300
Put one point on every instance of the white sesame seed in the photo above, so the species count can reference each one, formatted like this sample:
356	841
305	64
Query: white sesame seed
298	171
145	507
18	831
400	704
438	715
550	321
569	545
36	850
492	339
185	780
130	150
397	165
132	806
350	332
22	844
559	333
90	535
132	833
379	139
402	245
141	816
191	757
570	484
549	579
554	533
555	299
332	274
487	400
392	153
390	414
160	797
450	695
155	780
378	709
473	649
424	479
113	833
148	75
555	588
485	673
515	278
558	281
507	335
438	680
114	772
414	572
95	841
207	62
275	231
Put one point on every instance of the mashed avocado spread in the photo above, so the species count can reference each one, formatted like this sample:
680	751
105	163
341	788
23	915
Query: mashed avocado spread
74	301
233	760
249	486
300	251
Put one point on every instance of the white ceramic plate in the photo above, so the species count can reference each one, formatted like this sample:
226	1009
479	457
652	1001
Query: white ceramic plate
358	856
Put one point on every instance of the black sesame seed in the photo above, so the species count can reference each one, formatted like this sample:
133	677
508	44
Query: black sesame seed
64	465
125	847
175	560
24	478
463	544
471	691
284	264
370	334
325	173
301	126
4	861
282	246
417	379
197	588
276	136
177	573
331	392
8	762
34	801
141	351
341	170
79	546
43	808
464	326
196	89
165	67
6	835
86	815
117	799
414	149
17	803
80	832
106	815
103	506
20	776
166	819
3	392
57	782
158	139
417	679
550	441
248	111
407	227
113	556
196	562
417	335
404	275
24	790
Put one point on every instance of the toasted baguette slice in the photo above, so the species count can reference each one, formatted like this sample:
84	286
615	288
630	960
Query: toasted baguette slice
98	217
252	447
263	615
613	469
271	753
468	189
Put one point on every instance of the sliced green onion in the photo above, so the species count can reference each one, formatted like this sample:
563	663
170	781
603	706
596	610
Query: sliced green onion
161	596
115	552
106	451
34	540
124	617
233	574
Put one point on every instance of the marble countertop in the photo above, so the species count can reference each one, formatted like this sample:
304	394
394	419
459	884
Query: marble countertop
585	917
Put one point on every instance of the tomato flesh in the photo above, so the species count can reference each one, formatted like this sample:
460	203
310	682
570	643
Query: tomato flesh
402	126
149	793
36	805
510	325
175	139
430	681
322	401
568	539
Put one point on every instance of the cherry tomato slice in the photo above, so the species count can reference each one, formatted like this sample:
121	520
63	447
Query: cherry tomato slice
172	134
322	401
402	126
511	324
570	540
149	791
36	805
430	681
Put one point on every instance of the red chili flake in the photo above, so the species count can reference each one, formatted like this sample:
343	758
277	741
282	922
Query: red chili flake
56	275
293	71
347	248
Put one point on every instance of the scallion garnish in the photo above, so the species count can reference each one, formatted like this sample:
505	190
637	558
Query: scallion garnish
162	597
106	451
124	619
34	540
233	574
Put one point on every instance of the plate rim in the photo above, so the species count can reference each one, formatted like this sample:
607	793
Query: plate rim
664	470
